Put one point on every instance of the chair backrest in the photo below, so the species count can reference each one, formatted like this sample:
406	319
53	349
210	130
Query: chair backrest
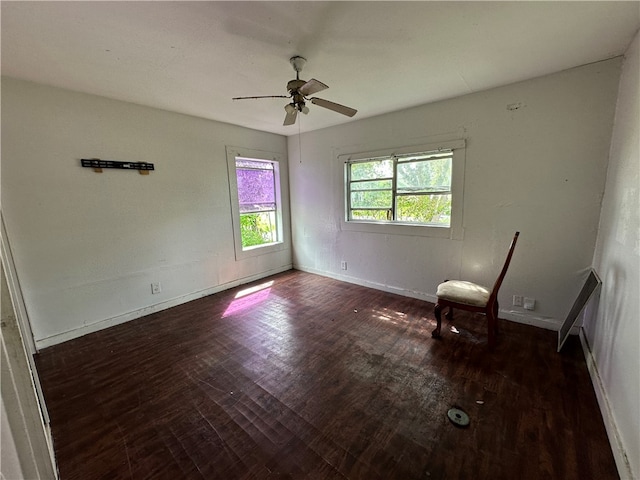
496	286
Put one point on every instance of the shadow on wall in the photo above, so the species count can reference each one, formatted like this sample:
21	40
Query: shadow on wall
603	318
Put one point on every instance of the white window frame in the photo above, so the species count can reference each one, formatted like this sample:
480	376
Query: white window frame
455	228
277	160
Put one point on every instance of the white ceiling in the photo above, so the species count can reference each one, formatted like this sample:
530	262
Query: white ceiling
193	57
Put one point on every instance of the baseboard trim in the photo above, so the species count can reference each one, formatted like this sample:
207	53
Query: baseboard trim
513	316
547	323
126	317
619	452
365	283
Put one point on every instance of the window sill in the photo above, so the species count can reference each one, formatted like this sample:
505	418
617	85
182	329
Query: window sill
260	250
385	228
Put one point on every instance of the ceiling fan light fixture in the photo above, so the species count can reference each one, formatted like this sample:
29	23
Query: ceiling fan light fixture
298	63
290	108
305	110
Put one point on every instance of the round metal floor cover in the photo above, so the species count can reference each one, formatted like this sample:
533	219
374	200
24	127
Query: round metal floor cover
458	417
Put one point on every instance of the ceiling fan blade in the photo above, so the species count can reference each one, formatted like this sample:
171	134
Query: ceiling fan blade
311	87
290	118
336	107
263	96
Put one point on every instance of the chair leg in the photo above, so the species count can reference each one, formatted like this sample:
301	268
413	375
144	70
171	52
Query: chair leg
437	312
491	328
495	314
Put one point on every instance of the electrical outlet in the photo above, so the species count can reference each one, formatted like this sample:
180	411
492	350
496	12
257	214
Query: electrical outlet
156	287
529	303
343	265
517	300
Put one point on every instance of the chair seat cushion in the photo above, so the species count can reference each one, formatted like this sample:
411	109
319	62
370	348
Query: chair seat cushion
463	292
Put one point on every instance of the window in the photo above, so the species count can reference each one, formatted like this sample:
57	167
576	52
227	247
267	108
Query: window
410	190
254	182
257	202
414	188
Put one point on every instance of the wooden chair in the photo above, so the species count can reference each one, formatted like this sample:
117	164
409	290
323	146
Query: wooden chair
473	298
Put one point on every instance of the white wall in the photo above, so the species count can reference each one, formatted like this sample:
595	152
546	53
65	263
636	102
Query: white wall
86	245
539	169
613	333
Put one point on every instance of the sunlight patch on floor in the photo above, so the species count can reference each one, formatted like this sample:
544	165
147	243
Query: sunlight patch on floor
249	297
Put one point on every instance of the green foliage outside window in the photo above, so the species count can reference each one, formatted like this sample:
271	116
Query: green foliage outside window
432	209
257	228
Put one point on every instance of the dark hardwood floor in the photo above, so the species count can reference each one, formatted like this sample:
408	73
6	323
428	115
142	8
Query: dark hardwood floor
311	378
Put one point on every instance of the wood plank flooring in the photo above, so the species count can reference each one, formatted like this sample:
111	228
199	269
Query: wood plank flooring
306	377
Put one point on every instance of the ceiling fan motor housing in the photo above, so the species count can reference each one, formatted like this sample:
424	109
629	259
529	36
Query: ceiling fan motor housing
294	85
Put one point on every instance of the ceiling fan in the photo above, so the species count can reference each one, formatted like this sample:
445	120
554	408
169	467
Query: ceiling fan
300	91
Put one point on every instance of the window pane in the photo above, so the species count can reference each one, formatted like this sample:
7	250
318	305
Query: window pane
258	228
432	209
256	186
371	199
371	215
372	170
428	175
